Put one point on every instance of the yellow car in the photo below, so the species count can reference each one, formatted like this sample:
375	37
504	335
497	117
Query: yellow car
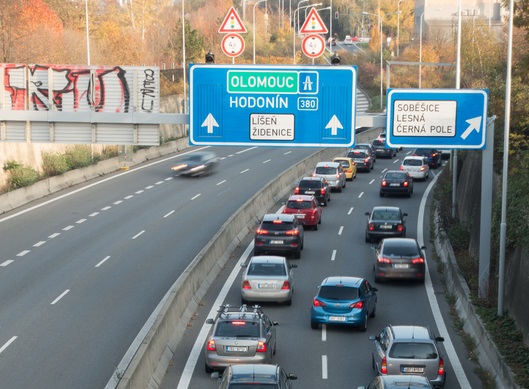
348	165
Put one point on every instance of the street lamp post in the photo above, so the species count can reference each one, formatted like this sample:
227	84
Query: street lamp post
398	28
381	47
421	18
87	34
260	1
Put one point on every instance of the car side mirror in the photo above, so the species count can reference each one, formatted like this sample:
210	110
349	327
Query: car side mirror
291	376
275	323
210	321
440	339
293	265
374	337
244	264
215	375
423	247
374	289
404	214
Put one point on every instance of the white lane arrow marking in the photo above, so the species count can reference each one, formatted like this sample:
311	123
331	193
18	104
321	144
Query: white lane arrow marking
334	124
210	122
474	125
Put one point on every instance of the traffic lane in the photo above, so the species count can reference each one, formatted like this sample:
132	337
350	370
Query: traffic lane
318	255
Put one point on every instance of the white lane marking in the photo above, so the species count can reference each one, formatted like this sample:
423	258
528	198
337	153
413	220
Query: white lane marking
102	261
138	234
268	160
323	332
169	213
360	195
94	214
139	191
158	183
324	367
350	210
40	243
370	182
5	263
196	196
197	351
117	202
245	170
220	183
288	152
106	208
54	235
340	230
2	349
383	171
333	255
436	311
60	297
80	221
149	187
68	228
231	155
245	150
22	253
128	197
168	178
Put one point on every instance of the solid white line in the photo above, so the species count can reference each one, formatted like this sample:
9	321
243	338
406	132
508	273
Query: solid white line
361	194
333	256
5	263
54	235
323	332
138	234
195	197
169	213
192	360
80	221
350	210
38	244
436	311
340	230
324	367
22	253
7	344
67	228
222	182
60	297
244	171
102	261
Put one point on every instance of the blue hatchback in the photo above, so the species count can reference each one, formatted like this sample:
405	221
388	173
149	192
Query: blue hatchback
344	301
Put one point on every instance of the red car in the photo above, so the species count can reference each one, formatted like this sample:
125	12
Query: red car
306	209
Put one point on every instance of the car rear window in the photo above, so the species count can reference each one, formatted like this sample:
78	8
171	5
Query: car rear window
325	170
238	328
267	269
344	163
251	384
412	162
378	143
400	250
357	154
299	204
338	293
271	226
310	184
413	351
385	215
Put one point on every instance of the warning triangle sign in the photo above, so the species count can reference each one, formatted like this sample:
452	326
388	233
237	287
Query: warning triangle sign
313	24
232	23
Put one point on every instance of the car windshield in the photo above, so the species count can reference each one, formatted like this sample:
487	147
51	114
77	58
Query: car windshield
385	215
194	158
237	329
284	226
413	351
267	269
338	293
299	204
325	170
310	184
412	162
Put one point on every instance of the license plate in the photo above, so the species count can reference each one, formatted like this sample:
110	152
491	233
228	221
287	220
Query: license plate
300	215
400	265
265	285
309	192
276	242
385	227
412	369
336	318
237	349
394	184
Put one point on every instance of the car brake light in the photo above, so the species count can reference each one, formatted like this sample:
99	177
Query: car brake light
261	347
338	176
384	183
366	160
406	183
423	168
277	221
261	231
383	260
296	190
417	260
292	232
313	174
400	228
299	200
318	303
238	323
401	167
441	369
323	191
286	285
384	366
371	227
212	346
357	305
246	285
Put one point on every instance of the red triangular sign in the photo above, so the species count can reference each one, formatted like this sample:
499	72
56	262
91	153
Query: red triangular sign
313	24
232	23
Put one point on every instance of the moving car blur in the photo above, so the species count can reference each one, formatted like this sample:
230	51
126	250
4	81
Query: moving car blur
196	164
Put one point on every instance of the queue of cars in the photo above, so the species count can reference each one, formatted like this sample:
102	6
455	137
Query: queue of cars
242	339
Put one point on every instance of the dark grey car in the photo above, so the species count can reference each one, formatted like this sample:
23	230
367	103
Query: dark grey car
399	258
196	164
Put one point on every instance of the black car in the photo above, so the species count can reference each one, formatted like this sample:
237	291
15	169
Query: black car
362	158
366	146
196	164
254	376
399	258
385	222
379	145
433	156
279	233
396	182
315	186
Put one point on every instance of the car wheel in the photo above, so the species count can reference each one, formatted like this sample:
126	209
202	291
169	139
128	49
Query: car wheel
363	327
344	183
288	302
339	189
256	252
381	194
409	193
208	369
373	363
315	227
297	254
319	221
368	240
377	279
374	313
314	325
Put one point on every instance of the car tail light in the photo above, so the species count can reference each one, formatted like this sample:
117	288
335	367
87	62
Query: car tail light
401	167
441	369
211	345
261	231
323	191
292	232
384	183
400	228
384	366
313	174
357	305
383	260
423	168
338	176
246	285
366	160
296	190
406	183
261	347
286	285
417	260
318	303
371	227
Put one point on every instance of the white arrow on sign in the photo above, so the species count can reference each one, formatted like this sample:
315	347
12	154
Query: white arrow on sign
475	125
334	124
210	122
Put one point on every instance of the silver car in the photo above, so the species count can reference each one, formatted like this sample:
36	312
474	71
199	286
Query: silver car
333	172
407	350
239	335
267	278
416	166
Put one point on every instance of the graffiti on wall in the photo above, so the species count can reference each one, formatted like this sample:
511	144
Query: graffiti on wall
71	88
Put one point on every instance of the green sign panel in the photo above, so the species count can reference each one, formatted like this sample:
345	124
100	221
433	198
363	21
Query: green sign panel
266	81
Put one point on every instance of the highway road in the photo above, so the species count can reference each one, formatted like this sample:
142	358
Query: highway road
336	357
81	271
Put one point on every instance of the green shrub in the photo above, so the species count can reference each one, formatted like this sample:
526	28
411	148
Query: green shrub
54	164
19	176
78	156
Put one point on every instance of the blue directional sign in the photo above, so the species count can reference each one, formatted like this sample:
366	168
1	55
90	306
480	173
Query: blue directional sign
437	118
313	106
